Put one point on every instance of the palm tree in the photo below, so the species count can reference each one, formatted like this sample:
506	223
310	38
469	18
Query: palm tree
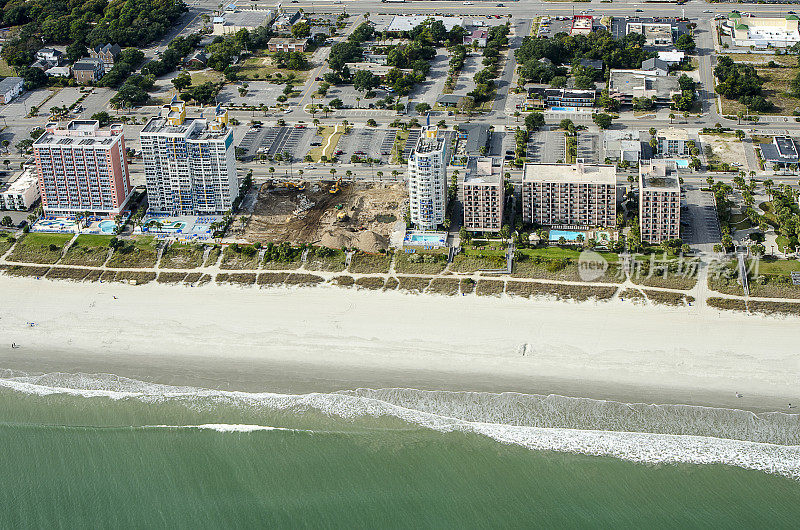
380	174
349	173
271	170
395	173
358	102
315	121
326	110
243	220
671	117
333	172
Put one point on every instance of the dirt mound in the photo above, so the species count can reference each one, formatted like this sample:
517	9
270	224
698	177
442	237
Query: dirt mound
365	240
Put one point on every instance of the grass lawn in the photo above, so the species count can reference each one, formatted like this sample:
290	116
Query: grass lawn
5	242
332	263
39	248
775	89
370	263
238	260
756	59
560	252
5	69
182	256
399	145
208	75
90	250
258	68
317	152
139	252
776	266
472	260
432	263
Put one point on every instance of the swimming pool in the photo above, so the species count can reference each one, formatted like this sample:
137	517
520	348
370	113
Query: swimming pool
564	109
427	239
568	235
107	226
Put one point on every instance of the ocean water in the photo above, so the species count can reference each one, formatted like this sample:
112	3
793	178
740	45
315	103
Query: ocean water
80	450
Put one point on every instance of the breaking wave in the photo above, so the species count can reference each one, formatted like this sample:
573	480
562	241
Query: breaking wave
768	442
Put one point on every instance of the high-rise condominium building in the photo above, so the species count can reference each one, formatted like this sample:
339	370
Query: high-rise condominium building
189	162
569	195
82	168
427	179
482	194
659	201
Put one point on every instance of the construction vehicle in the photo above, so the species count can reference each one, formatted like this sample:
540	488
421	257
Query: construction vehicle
336	187
342	216
291	185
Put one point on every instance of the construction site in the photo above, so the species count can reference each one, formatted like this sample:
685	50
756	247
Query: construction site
330	214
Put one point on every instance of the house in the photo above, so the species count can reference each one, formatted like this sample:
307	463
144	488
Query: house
281	44
672	57
581	25
196	59
88	70
448	100
622	145
783	150
108	54
560	97
377	58
478	37
59	71
672	142
10	88
285	21
378	70
473	139
597	64
50	55
655	65
234	20
625	85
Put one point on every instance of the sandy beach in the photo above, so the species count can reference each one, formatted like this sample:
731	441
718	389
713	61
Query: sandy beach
326	338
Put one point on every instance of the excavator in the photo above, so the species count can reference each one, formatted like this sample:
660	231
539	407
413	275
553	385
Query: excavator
336	187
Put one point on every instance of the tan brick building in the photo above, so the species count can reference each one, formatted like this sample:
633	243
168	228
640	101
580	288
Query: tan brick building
569	195
659	201
482	194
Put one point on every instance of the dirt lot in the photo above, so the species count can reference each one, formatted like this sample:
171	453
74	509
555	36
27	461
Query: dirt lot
725	148
775	89
310	216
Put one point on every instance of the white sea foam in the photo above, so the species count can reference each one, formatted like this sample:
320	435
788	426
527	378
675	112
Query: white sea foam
222	427
535	422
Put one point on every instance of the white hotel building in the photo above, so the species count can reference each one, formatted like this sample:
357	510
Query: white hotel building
427	179
189	162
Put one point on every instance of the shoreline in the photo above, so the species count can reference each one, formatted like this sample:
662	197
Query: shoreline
323	339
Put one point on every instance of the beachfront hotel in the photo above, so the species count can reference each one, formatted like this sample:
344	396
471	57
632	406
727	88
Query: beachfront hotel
482	194
659	201
82	167
189	163
569	195
427	180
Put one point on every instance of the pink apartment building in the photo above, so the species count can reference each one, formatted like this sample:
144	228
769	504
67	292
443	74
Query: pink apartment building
82	168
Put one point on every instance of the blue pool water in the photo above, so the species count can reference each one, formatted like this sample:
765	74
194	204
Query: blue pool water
564	109
569	235
423	238
107	227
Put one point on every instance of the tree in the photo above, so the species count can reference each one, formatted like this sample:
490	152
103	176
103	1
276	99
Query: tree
466	105
103	117
602	120
422	108
685	43
182	81
533	121
301	29
6	221
336	104
758	249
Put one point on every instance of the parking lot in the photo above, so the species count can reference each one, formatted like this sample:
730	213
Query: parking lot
546	146
699	224
295	141
366	143
589	147
466	79
433	86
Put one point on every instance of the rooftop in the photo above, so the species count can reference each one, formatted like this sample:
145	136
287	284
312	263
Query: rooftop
659	175
409	22
173	122
251	18
571	173
484	170
83	133
9	82
286	40
429	140
639	83
20	182
671	133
